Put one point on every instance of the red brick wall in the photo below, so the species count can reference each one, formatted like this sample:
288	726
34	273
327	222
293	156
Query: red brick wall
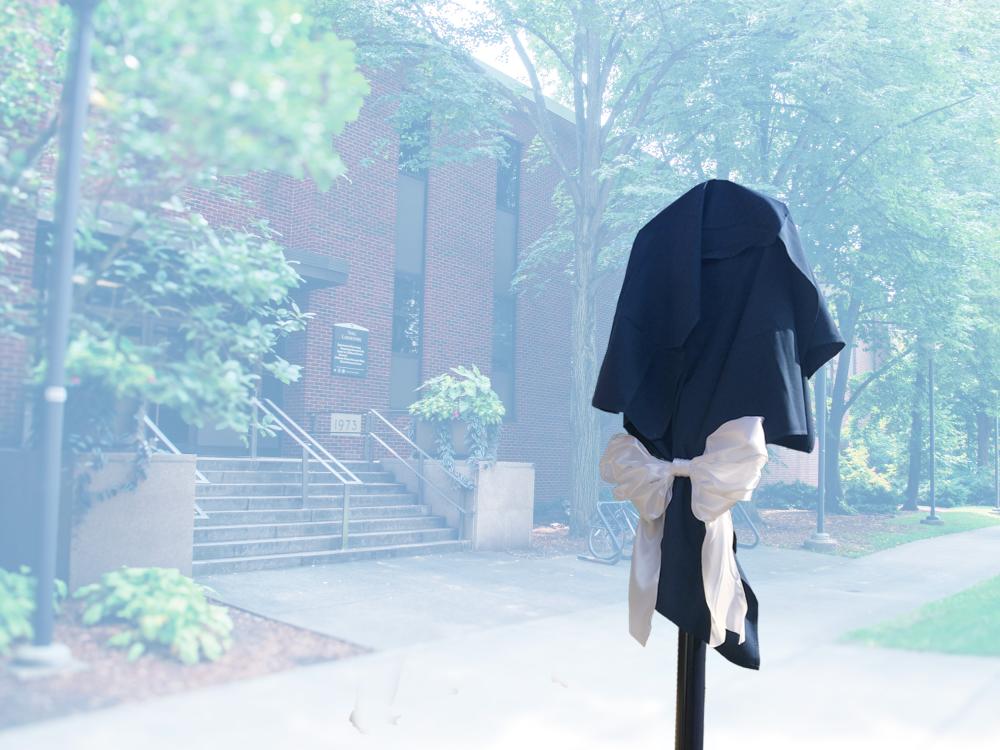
14	351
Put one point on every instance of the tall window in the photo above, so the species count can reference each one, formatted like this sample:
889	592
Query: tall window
505	261
408	295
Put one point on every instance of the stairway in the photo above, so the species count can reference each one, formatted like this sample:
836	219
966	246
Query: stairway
257	519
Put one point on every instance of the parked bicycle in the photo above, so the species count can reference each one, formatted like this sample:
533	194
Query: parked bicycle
615	522
612	531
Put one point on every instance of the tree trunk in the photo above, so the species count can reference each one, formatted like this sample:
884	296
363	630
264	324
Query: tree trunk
916	442
584	423
838	409
984	431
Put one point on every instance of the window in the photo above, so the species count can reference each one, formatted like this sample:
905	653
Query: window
504	265
509	177
407	309
413	144
408	293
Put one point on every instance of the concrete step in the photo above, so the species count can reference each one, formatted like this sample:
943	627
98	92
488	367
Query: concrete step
260	562
254	531
228	463
275	502
320	543
294	490
304	515
275	476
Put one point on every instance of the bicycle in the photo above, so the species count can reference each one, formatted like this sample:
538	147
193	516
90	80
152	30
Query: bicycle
614	525
612	530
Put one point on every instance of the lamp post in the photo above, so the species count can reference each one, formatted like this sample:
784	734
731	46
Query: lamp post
932	518
996	453
820	540
44	655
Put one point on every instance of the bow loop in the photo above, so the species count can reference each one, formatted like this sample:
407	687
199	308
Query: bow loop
725	474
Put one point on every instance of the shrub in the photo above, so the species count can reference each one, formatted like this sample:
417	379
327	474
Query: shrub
965	484
785	496
17	605
165	609
862	484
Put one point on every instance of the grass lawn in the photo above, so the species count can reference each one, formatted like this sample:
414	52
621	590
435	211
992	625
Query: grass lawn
966	623
863	534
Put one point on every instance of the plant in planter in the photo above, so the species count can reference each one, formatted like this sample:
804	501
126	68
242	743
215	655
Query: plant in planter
465	412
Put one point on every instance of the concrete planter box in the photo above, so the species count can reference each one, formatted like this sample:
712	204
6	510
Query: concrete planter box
426	437
500	508
152	525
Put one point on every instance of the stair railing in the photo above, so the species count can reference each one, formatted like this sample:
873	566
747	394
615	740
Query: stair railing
164	441
372	420
313	449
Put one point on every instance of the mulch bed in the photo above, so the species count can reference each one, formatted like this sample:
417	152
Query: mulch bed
260	646
551	540
790	528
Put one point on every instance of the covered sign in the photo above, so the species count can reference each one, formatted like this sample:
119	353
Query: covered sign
718	326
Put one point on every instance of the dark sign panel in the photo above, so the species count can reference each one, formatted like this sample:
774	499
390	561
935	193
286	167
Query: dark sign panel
350	350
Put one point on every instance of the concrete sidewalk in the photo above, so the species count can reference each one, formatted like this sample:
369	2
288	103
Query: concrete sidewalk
492	651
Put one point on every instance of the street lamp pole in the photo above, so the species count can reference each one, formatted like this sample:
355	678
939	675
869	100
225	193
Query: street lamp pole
820	540
996	452
73	112
933	517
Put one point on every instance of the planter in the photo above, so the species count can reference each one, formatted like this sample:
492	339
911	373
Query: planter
500	508
150	526
459	430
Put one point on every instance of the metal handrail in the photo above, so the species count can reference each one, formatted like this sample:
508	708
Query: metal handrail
406	463
313	447
199	478
457	478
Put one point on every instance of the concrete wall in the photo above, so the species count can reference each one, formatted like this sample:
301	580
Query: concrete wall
152	525
500	507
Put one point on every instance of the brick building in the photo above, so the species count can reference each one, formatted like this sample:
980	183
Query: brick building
423	262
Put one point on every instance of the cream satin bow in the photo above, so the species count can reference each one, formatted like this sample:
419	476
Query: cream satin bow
726	473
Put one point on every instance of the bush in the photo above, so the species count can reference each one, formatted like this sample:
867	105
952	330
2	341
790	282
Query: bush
17	605
785	496
864	486
965	485
166	610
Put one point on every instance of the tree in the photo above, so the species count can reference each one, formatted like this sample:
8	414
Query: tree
186	98
857	115
861	116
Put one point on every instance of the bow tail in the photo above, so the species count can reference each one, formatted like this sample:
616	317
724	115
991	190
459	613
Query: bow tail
644	577
724	592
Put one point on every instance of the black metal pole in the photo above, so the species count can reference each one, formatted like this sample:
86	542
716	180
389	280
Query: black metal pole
821	458
996	453
933	517
690	719
73	114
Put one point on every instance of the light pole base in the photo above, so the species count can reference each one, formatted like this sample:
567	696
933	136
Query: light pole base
31	662
996	510
932	520
820	542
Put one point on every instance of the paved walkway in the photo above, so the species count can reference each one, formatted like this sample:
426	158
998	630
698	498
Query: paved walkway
492	651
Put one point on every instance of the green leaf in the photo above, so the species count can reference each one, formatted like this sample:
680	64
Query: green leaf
136	650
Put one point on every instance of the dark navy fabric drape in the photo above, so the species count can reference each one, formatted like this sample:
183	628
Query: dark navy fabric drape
719	317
